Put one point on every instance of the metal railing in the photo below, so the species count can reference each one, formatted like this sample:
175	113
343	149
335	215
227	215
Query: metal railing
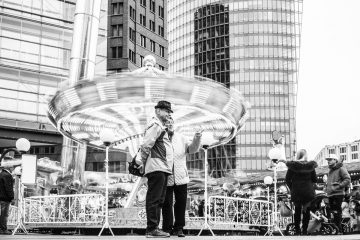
12	219
77	208
242	211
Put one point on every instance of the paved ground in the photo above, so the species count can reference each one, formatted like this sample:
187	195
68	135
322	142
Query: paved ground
48	236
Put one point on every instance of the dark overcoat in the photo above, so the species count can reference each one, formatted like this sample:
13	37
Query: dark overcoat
301	178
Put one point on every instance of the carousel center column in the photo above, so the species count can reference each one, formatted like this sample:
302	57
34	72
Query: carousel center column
82	66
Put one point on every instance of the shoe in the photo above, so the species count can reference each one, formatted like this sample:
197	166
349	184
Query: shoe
5	232
157	233
179	233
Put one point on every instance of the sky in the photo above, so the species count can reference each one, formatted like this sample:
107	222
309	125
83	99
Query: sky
328	101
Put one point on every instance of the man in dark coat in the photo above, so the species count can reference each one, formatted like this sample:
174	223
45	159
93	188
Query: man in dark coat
300	178
337	181
6	196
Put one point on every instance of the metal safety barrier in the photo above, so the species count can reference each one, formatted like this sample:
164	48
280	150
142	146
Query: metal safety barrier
12	219
242	211
77	208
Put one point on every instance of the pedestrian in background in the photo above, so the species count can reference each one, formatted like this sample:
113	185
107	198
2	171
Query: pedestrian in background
177	182
301	178
156	159
338	180
6	196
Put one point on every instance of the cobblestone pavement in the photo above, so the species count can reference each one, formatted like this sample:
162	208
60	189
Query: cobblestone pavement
79	237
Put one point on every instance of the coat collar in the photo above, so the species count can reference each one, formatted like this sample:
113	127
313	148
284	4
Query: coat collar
301	166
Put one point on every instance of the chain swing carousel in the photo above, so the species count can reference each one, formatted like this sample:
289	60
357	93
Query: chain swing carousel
124	102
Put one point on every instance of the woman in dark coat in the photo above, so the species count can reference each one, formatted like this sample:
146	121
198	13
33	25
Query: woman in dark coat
301	178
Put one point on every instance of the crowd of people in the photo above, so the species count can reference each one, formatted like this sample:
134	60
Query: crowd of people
301	180
162	160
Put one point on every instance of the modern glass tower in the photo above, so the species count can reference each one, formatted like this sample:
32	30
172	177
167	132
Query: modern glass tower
249	45
35	43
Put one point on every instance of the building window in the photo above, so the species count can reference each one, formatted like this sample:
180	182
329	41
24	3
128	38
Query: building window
342	149
116	52
342	158
162	68
162	51
117	8
132	34
354	148
141	61
143	3
161	31
152	5
152	25
143	20
117	30
132	13
161	11
332	151
143	41
354	156
152	46
132	56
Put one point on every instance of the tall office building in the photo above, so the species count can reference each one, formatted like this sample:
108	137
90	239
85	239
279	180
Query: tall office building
136	29
35	44
249	45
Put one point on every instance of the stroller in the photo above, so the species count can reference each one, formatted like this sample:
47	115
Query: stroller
319	222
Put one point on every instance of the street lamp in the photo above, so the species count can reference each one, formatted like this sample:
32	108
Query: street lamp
23	145
107	137
206	139
275	154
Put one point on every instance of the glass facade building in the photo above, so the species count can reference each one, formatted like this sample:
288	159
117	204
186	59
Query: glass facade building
136	29
249	45
35	44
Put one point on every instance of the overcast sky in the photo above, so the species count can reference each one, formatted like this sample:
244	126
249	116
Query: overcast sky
328	102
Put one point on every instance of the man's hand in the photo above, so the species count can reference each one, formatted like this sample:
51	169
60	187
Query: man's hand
141	168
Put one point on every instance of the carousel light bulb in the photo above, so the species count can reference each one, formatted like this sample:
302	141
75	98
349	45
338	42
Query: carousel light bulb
207	139
107	136
268	180
23	145
275	154
17	171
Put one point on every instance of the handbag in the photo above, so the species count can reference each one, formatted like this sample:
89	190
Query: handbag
133	167
285	211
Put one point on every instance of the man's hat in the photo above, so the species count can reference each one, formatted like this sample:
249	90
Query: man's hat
332	156
164	105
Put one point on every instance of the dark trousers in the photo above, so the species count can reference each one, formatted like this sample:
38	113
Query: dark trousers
335	207
299	208
4	214
177	209
155	197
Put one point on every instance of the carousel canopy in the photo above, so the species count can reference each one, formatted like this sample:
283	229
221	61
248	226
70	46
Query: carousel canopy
124	103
